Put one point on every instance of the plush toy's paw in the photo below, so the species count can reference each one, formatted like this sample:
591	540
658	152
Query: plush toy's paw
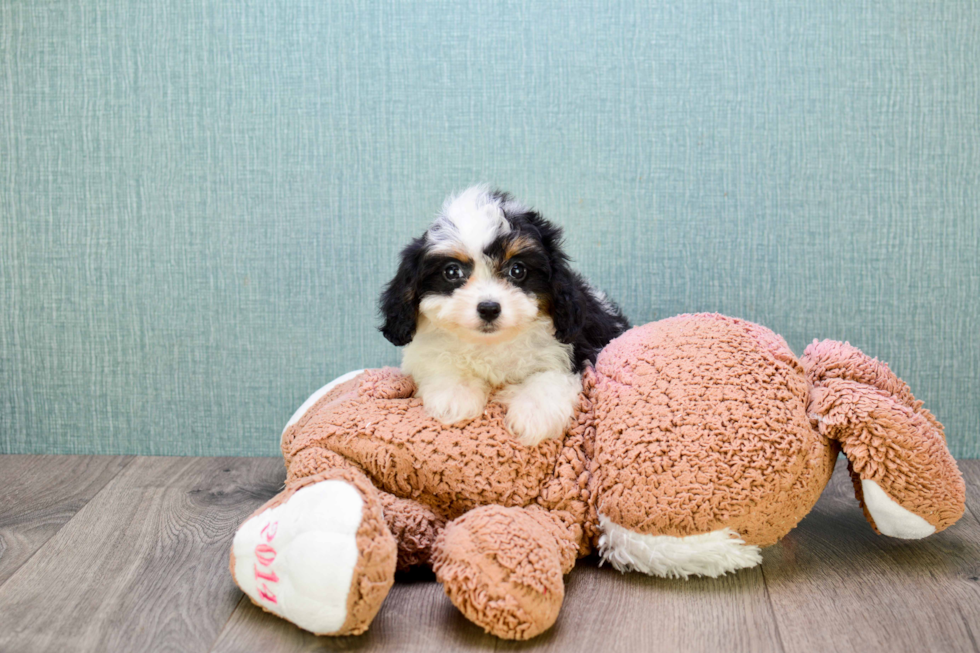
320	559
889	517
454	401
539	408
502	569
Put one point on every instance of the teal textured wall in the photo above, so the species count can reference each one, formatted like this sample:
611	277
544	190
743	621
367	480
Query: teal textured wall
199	201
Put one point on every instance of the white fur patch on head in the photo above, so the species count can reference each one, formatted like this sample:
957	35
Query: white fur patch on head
708	554
469	222
890	518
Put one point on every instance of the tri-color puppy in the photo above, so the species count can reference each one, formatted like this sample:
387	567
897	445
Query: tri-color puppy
485	300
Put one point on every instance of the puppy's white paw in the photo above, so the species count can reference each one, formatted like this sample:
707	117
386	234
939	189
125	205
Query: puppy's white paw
530	426
453	403
539	408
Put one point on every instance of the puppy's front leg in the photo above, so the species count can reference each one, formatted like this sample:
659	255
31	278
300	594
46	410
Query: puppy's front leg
451	399
540	407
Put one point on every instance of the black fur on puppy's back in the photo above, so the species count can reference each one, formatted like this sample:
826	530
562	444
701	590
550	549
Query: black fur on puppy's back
602	322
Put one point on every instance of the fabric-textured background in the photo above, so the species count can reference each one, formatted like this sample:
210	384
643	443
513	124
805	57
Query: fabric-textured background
200	200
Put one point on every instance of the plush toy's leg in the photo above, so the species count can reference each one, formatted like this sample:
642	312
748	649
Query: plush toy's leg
415	528
502	567
904	476
319	554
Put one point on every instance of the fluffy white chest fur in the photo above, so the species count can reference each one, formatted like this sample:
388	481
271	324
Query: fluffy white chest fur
532	372
435	350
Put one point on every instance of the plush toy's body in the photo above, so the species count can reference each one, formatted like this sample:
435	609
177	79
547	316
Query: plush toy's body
697	440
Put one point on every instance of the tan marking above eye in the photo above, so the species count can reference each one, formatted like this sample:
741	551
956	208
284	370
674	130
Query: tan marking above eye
460	256
519	245
452	249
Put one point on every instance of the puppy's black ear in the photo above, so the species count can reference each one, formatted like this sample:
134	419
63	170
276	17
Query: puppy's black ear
568	303
567	300
400	301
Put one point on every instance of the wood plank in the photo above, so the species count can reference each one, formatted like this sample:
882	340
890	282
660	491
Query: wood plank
603	611
40	494
966	591
609	611
143	566
416	616
971	474
837	585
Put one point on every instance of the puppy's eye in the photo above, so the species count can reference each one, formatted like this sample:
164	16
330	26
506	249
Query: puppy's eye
517	271
452	272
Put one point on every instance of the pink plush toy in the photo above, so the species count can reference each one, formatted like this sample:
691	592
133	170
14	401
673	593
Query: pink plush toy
697	441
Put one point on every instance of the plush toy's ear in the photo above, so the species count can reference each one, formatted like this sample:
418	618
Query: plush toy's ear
400	301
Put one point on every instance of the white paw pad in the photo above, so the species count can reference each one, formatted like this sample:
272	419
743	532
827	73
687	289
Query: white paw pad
890	518
541	407
297	559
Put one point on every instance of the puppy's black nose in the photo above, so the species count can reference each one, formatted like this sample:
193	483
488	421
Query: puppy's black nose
488	311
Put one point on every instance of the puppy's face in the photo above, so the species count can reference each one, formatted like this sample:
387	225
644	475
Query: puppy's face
484	271
484	291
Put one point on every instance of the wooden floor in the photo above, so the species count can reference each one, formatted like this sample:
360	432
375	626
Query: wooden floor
131	554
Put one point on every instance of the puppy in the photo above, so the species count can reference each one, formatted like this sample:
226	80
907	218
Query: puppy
485	300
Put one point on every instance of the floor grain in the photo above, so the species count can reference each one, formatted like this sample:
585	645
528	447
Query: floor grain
837	585
143	566
39	494
603	611
609	611
971	474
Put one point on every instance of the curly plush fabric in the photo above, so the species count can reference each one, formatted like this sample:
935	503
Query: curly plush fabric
696	440
415	528
501	567
387	433
374	422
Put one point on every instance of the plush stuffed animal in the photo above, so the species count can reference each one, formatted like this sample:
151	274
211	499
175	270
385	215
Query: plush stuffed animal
697	441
